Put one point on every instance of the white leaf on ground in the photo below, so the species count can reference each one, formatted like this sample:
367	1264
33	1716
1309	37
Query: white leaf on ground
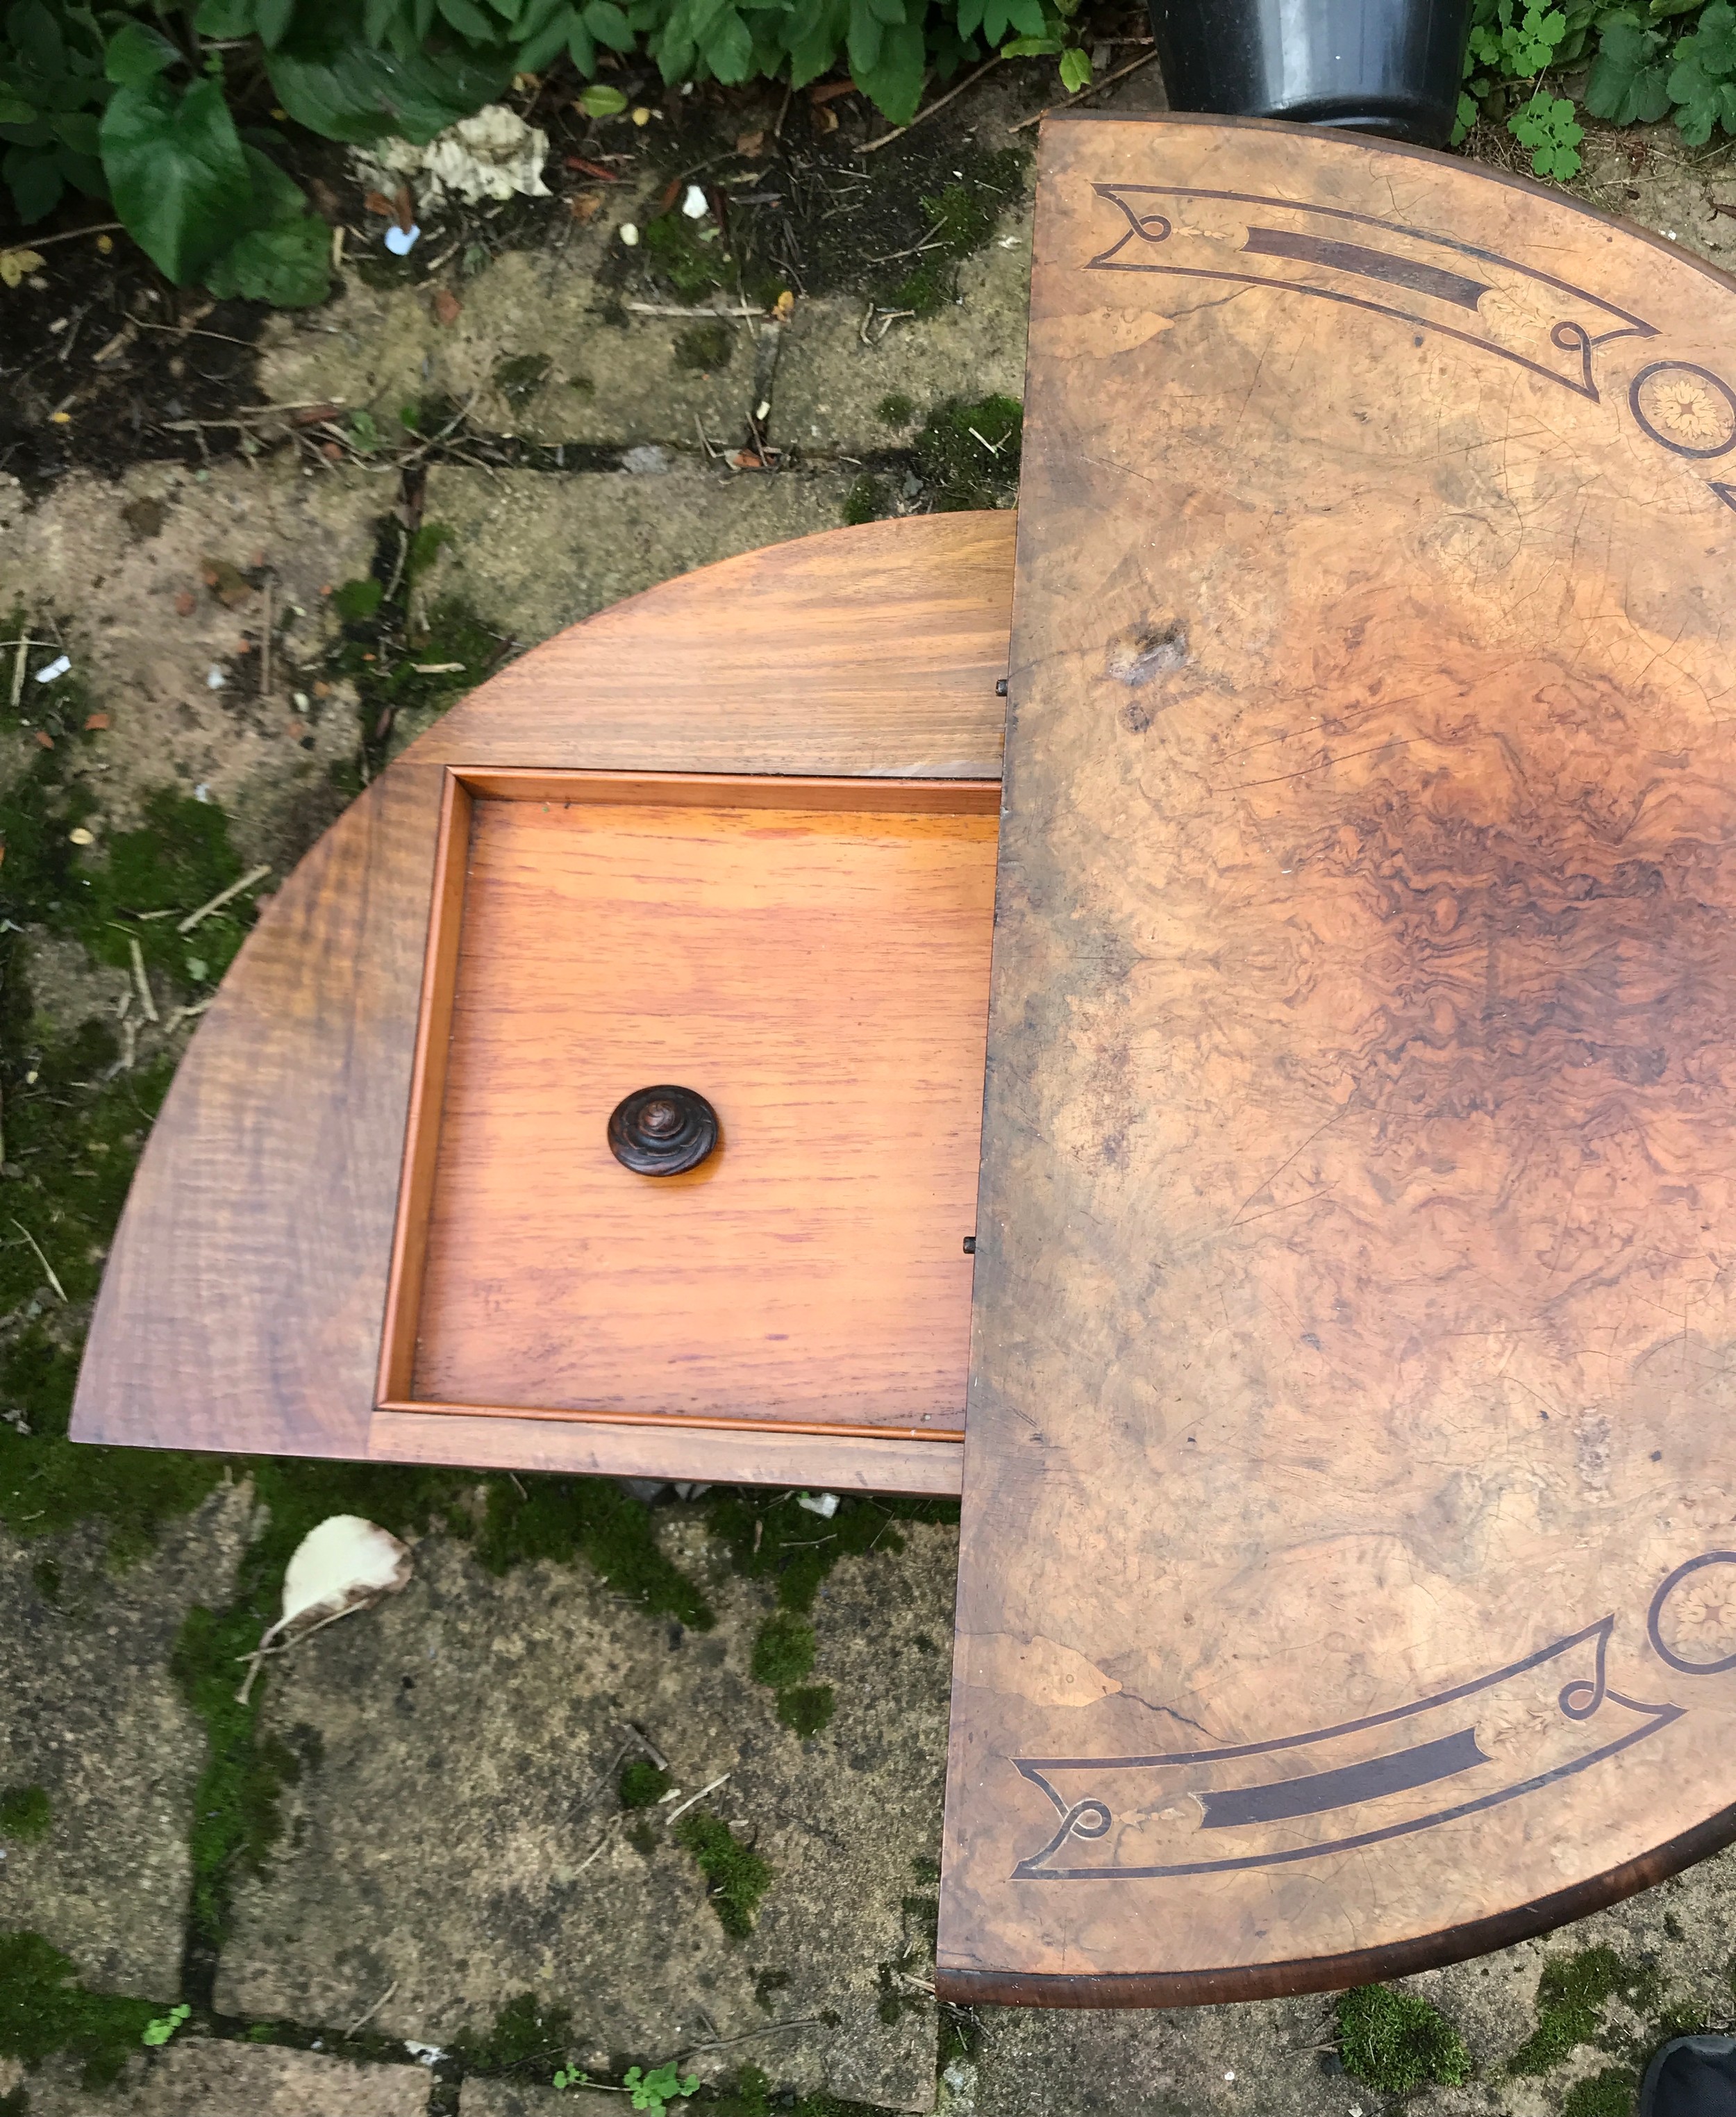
491	155
344	1564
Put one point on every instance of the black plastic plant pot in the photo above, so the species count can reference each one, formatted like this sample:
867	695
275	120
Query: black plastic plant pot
1389	67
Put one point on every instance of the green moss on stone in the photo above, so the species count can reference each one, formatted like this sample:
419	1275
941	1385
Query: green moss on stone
525	2034
642	1783
176	860
1397	2042
896	410
807	1709
738	1878
26	1813
968	453
520	377
1609	2093
565	1519
675	249
706	349
783	1652
961	219
43	2008
864	499
1572	1994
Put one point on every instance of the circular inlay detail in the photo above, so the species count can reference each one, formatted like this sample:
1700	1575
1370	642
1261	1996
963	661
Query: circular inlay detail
1686	409
1697	1614
662	1131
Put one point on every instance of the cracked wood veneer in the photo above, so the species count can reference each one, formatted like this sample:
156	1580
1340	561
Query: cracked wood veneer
1347	1579
243	1302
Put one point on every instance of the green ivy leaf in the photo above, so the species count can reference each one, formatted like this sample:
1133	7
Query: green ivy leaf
609	25
1075	69
545	30
177	172
895	81
224	18
600	100
350	91
34	181
728	46
138	52
274	18
469	20
36	37
14	110
863	42
1628	83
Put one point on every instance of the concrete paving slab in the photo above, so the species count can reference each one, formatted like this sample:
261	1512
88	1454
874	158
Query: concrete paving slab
839	360
93	1718
120	565
535	552
463	1839
195	2079
538	348
511	2098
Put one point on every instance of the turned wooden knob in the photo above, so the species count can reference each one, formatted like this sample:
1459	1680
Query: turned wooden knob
662	1131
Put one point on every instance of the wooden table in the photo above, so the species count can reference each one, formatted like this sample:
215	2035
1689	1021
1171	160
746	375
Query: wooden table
1348	1579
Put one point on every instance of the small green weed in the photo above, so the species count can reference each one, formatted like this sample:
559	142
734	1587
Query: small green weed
1397	2042
26	1813
656	2090
1546	125
738	1878
1572	1994
158	2031
642	1783
43	2008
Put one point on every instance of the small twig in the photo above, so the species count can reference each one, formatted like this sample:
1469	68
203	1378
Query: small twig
18	667
1120	73
146	1000
747	2036
668	309
597	1850
179	331
254	875
264	666
372	2011
674	1815
939	102
54	1278
71	235
650	1747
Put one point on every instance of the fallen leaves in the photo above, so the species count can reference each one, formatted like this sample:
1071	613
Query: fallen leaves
185	603
345	1564
227	583
17	265
448	308
584	206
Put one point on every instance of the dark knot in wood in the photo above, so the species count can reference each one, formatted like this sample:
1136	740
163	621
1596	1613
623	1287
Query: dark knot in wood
662	1131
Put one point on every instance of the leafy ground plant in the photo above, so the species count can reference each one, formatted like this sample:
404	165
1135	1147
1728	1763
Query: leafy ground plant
140	112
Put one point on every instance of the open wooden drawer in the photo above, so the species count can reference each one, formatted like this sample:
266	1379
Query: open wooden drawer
738	833
811	956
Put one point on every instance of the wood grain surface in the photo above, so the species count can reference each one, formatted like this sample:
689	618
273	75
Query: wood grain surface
1349	1572
811	955
242	1303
